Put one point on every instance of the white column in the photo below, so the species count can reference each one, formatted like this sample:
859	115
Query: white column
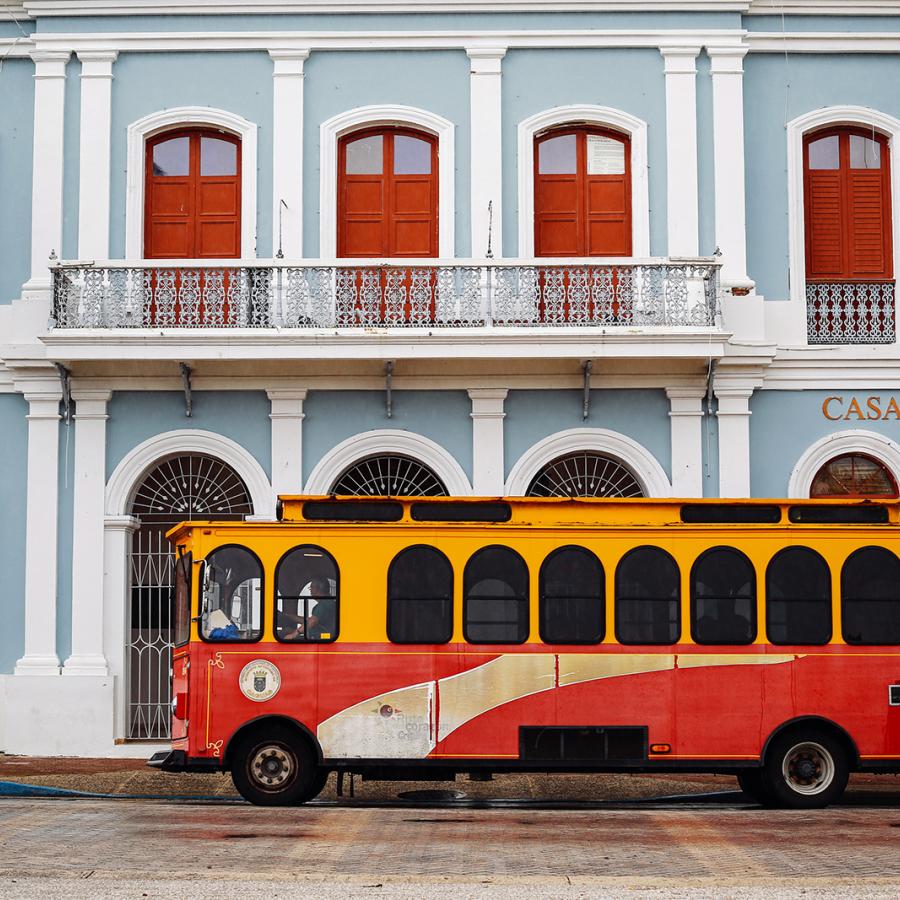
94	177
681	149
487	441
287	441
734	439
726	65
117	535
287	152
47	165
87	538
41	505
486	149
686	423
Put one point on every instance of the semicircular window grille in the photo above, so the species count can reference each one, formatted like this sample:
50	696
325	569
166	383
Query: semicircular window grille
192	486
389	475
585	474
853	475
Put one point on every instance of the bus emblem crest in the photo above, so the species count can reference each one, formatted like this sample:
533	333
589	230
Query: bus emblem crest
259	680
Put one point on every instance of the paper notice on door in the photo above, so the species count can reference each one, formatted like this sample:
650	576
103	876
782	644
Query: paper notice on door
605	155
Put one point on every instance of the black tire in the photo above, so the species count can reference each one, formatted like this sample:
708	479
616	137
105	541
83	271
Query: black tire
805	769
751	783
275	766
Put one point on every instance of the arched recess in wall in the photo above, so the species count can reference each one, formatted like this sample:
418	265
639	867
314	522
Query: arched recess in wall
817	120
388	441
371	116
640	461
842	443
601	117
188	116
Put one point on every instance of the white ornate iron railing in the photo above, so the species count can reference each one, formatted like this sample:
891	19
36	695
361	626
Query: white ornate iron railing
386	294
850	312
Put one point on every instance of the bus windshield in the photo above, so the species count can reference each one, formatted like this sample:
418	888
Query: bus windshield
183	599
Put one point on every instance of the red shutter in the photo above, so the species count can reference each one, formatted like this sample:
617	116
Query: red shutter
869	227
824	224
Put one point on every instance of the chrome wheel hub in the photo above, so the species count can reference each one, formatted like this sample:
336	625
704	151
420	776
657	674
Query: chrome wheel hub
272	767
808	768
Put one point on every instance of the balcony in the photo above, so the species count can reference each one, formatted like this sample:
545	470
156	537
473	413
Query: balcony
478	307
850	312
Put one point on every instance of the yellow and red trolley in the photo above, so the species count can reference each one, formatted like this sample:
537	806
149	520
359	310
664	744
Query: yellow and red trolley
424	637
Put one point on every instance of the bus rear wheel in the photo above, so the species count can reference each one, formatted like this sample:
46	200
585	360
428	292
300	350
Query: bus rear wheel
275	767
805	770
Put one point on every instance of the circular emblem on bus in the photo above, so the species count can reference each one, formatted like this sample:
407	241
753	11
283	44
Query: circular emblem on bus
260	680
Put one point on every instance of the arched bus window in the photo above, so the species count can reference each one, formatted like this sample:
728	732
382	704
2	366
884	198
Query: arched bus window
648	597
798	597
420	597
572	597
870	597
723	598
495	604
231	605
306	595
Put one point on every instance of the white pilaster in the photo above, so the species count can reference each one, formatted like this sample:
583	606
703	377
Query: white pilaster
681	149
47	166
42	485
487	441
87	656
686	423
486	149
287	152
94	177
287	441
726	66
734	439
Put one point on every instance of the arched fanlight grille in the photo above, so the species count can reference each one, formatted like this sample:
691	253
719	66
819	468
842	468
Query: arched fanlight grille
853	475
585	474
389	475
192	486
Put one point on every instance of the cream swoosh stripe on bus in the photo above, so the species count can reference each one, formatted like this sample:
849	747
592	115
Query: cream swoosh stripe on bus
400	724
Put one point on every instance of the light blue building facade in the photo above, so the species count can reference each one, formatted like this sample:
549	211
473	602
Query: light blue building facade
183	334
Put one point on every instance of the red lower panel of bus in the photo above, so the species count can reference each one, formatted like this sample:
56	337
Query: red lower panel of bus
388	702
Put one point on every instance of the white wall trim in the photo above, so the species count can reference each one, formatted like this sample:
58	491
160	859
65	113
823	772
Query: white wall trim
643	464
385	114
127	475
796	129
851	441
593	115
163	120
387	440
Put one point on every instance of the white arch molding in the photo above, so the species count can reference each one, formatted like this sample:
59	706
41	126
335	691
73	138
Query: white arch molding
130	471
388	441
796	129
372	116
645	466
188	116
578	114
869	443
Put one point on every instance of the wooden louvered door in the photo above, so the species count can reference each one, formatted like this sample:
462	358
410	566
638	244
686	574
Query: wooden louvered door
848	206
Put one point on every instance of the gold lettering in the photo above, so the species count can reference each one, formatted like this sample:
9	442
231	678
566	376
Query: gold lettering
825	405
854	410
892	408
874	406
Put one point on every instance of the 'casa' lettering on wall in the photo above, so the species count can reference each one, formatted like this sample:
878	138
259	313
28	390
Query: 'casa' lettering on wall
845	409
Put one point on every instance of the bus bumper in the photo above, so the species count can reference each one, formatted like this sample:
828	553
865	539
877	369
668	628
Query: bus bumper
179	761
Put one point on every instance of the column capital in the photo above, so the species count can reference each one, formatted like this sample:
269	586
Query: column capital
97	63
485	60
286	404
726	60
90	404
487	403
680	60
50	63
685	401
288	63
124	524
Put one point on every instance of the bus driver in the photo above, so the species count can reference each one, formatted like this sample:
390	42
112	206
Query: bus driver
320	620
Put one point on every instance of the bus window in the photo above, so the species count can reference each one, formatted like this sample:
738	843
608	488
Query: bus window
306	595
723	598
183	569
648	597
870	597
231	608
420	597
495	589
572	597
798	597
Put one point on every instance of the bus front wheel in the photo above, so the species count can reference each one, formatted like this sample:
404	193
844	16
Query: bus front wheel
275	767
805	770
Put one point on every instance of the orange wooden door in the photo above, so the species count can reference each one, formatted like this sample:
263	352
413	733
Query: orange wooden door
847	188
387	194
582	193
192	196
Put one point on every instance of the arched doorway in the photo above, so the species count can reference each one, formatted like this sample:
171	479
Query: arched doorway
854	475
178	488
389	475
585	474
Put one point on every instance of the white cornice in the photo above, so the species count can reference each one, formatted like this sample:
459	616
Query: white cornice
824	8
823	41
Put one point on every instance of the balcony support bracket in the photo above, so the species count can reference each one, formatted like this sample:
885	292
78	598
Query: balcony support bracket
586	367
388	376
65	381
186	382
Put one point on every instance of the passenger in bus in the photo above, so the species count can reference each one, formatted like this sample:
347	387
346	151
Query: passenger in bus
321	618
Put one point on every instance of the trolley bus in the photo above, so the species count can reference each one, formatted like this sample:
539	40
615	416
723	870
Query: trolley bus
421	638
